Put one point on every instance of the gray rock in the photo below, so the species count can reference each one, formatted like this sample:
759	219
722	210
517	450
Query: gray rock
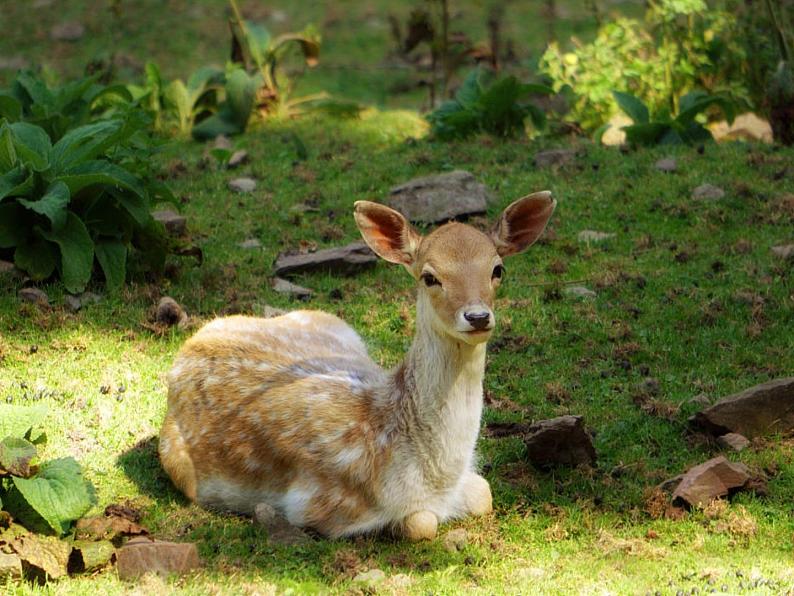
344	260
13	62
560	441
669	485
282	286
668	164
784	251
7	268
238	158
579	292
710	480
10	566
734	441
554	158
175	224
279	530
594	236
34	296
222	142
456	540
73	303
69	31
242	184
250	243
439	198
370	578
707	192
764	408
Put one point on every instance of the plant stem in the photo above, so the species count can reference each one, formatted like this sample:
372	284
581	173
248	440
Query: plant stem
269	82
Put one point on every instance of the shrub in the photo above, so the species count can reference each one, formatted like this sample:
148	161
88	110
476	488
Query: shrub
74	191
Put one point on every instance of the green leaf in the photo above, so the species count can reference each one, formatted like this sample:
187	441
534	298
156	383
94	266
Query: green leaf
86	142
258	42
634	108
15	420
100	172
646	134
470	90
58	493
221	123
178	96
12	231
10	108
36	90
8	155
18	456
112	257
240	94
52	205
535	89
18	182
77	252
32	144
38	258
93	554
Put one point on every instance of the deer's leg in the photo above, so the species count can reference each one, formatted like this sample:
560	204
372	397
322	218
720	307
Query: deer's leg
476	495
421	525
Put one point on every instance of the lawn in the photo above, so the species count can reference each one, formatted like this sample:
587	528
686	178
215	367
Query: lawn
689	300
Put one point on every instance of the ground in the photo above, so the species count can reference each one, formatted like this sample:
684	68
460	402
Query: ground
688	294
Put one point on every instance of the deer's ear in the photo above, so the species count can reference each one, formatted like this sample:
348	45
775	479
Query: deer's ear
387	232
522	223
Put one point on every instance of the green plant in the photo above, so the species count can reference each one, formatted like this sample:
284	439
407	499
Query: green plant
663	128
69	199
484	103
781	84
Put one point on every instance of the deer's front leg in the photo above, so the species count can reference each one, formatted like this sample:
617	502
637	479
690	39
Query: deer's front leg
476	495
421	525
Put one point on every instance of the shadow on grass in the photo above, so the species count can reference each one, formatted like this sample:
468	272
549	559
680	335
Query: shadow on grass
141	464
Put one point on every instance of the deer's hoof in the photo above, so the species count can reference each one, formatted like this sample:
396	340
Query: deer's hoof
421	525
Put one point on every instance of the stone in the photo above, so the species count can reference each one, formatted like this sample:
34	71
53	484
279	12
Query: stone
701	400
745	126
72	303
10	566
707	192
559	441
370	578
250	243
439	198
710	480
222	142
143	555
7	268
579	292
615	136
784	251
669	485
761	409
734	441
170	313
175	224
344	260
238	158
553	158
69	31
34	296
668	164
13	63
279	530
282	286
456	540
594	236
242	184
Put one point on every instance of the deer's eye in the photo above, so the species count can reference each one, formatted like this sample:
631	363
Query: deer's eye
498	271
430	280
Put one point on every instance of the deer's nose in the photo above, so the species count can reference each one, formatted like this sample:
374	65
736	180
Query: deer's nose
478	319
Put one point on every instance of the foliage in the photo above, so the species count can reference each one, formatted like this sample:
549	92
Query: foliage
45	497
487	104
74	192
663	128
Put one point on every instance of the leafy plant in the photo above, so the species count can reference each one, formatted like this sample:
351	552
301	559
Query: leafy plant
486	104
73	194
235	110
663	128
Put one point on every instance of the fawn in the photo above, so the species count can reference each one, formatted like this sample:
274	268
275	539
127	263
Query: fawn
292	411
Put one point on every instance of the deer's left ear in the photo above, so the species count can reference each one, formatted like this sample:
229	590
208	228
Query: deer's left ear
522	223
387	232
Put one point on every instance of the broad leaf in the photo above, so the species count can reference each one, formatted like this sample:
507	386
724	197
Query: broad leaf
85	142
37	258
645	134
12	181
46	555
694	103
18	456
634	108
32	144
240	93
52	205
58	493
112	257
77	252
36	90
100	172
10	108
470	90
178	96
221	123
8	155
15	420
12	232
258	42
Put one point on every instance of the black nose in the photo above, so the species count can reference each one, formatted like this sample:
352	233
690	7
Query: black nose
478	320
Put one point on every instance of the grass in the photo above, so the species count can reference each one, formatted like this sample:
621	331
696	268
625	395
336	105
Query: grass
688	293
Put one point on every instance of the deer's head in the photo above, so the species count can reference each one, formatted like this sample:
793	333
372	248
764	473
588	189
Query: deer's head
457	267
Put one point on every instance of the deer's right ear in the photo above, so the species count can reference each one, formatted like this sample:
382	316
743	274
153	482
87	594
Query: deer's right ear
386	232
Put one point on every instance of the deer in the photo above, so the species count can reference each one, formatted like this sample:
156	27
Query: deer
292	411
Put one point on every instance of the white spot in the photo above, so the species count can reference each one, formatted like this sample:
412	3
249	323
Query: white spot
295	502
348	457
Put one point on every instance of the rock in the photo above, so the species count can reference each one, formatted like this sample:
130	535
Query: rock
222	142
668	164
615	136
370	578
282	286
10	566
8	269
784	251
554	158
669	485
279	530
746	126
250	243
439	198
34	296
238	158
764	408
701	400
143	555
170	313
710	480
456	540
579	292
344	260
242	184
69	31
73	303
707	192
559	441
594	236
13	63
175	224
734	441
